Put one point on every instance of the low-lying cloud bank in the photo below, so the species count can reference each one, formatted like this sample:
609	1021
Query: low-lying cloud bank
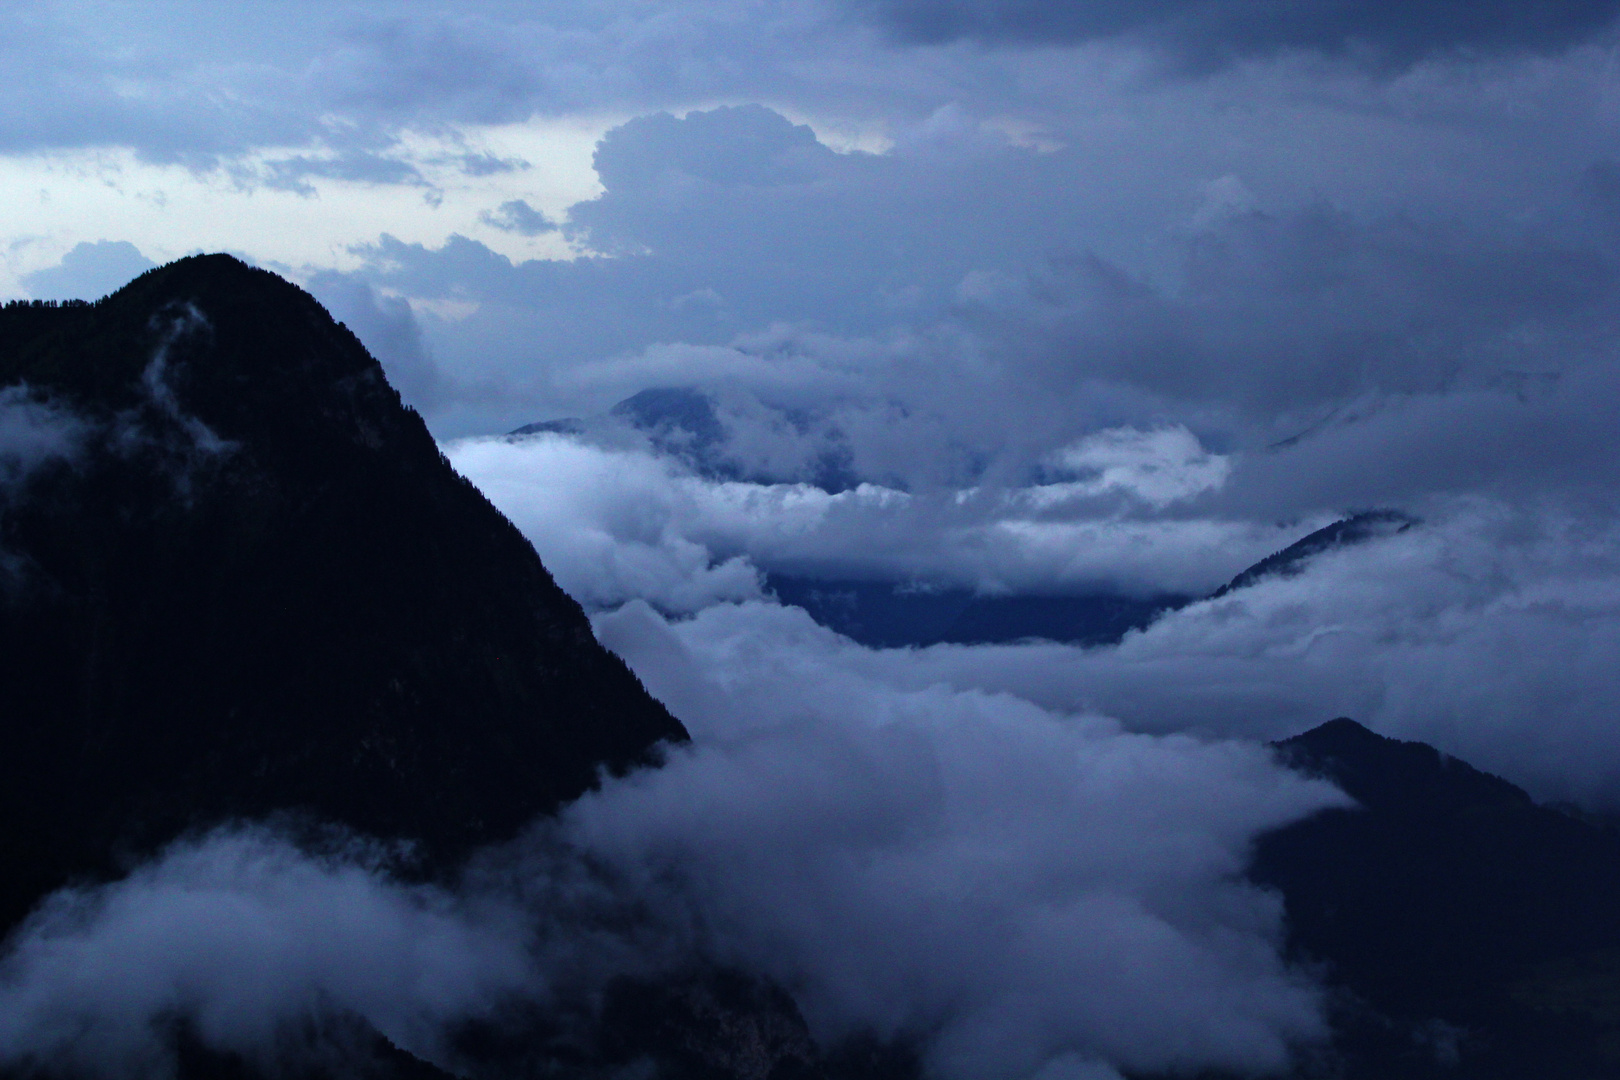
1489	631
1013	884
1008	886
249	940
615	524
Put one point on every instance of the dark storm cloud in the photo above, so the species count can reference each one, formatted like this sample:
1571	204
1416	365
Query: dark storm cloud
204	86
931	356
1216	32
1277	314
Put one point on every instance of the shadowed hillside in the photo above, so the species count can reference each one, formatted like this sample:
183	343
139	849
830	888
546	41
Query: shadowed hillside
1464	930
237	577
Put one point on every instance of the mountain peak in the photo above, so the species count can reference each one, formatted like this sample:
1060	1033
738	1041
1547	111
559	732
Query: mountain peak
249	583
1375	769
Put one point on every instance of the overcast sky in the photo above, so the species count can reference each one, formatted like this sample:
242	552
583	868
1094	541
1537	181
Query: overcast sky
1118	295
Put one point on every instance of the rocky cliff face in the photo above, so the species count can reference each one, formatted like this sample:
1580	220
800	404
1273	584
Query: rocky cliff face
237	578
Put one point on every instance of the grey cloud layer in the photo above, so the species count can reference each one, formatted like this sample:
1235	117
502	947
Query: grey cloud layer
817	296
185	82
97	977
1215	32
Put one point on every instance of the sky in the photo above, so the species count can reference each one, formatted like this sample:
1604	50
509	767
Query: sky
1114	296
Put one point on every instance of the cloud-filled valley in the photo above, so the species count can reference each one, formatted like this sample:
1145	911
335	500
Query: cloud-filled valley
733	305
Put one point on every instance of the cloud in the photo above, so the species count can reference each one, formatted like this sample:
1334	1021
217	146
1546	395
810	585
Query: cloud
1011	888
1455	633
1210	33
33	431
89	271
937	320
615	524
95	976
488	164
358	166
954	866
1489	631
1159	466
388	328
517	216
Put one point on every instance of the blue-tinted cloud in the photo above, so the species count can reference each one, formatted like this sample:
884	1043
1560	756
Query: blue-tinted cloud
519	217
89	271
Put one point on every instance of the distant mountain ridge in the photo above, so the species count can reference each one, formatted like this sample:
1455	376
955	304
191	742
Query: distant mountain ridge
248	582
887	615
685	423
1348	531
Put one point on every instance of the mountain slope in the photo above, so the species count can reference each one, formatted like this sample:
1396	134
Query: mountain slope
240	578
1466	931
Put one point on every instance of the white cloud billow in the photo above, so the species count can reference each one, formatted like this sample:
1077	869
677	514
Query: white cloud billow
246	937
1160	466
618	524
1013	884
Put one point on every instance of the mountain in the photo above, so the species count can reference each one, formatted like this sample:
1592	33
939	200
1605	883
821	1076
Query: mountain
1465	931
238	578
886	615
686	424
1346	532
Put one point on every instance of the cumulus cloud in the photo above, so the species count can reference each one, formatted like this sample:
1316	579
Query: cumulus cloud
89	271
1010	884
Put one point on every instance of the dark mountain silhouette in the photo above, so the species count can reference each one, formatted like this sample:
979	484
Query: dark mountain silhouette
1465	930
1355	529
886	615
242	582
253	584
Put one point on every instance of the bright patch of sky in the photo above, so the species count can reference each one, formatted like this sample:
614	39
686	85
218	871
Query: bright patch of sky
298	208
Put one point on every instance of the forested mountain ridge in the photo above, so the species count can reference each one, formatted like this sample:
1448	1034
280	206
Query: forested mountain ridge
238	578
1462	929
